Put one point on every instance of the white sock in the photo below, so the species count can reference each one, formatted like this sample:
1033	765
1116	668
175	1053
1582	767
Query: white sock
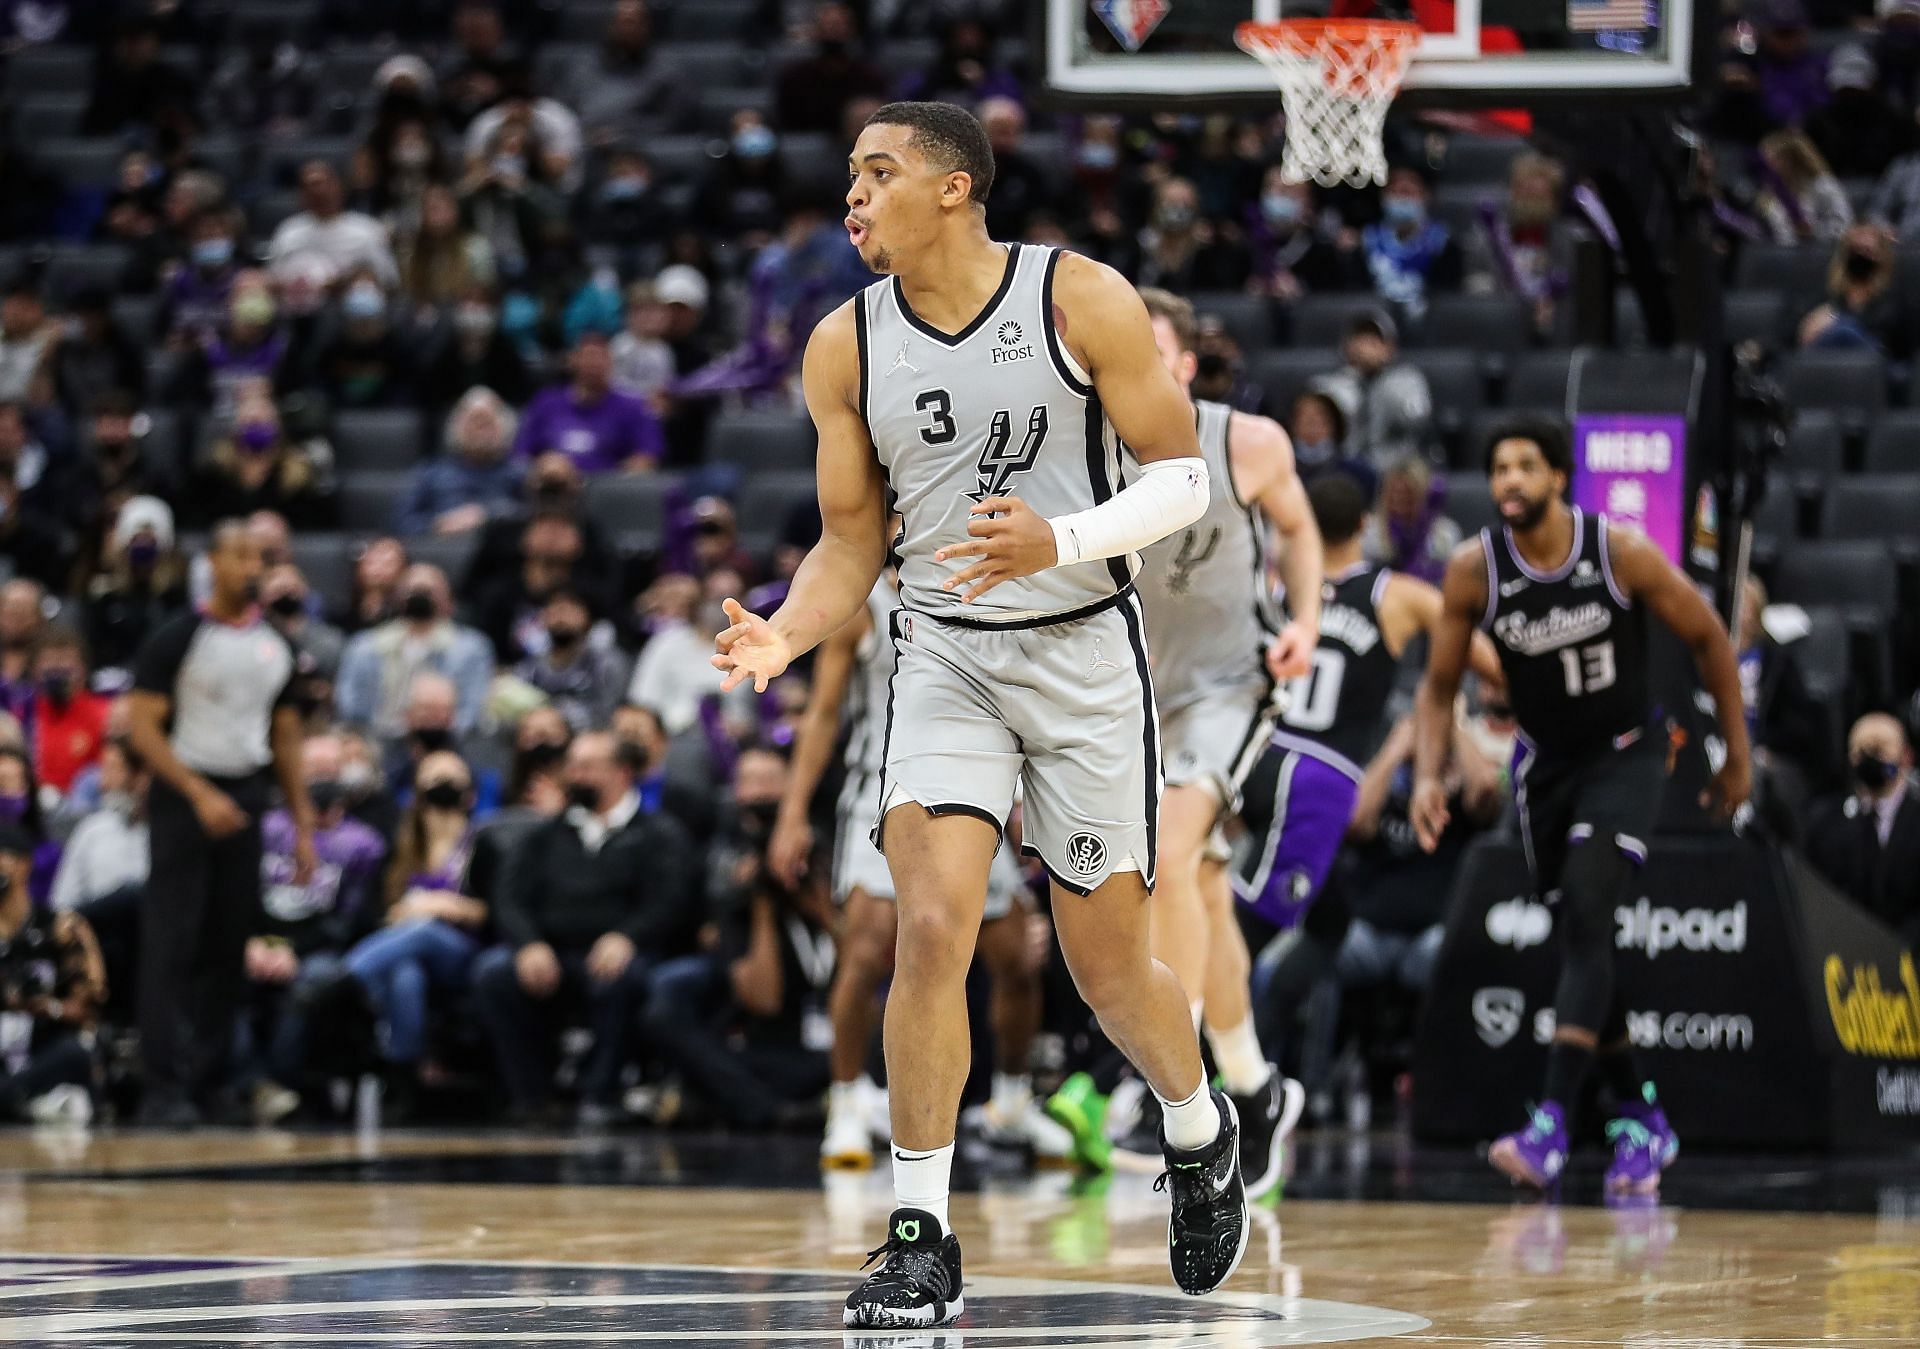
1012	1093
920	1180
1243	1069
843	1098
1190	1124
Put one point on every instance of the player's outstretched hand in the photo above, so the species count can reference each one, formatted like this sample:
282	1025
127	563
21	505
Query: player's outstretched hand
1009	537
1428	812
1730	788
750	649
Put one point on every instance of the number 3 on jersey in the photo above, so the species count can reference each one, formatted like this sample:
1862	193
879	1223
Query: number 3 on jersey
1000	458
1588	669
1313	699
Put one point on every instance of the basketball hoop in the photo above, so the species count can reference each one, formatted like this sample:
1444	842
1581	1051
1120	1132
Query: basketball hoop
1337	79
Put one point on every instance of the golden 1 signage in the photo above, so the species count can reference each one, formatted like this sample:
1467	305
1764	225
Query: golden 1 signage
1872	1020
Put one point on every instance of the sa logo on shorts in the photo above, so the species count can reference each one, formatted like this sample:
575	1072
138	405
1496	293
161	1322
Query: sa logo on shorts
1086	854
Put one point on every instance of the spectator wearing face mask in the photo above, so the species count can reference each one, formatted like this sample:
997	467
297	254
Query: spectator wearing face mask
642	360
1862	307
1409	254
379	666
365	361
1292	254
441	261
250	346
536	786
30	540
193	306
20	806
592	900
582	678
346	241
1867	842
472	481
1859	132
1181	250
118	469
1386	402
473	353
257	467
674	674
741	192
552	490
143	583
628	212
67	721
510	609
57	981
594	424
1523	247
1802	202
291	610
1318	429
1409	532
23	617
624	86
811	91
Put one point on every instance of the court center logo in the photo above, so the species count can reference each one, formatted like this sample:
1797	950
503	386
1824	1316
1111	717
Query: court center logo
1086	853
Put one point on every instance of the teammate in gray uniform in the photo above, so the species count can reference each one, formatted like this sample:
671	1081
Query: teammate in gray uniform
1218	650
989	388
852	670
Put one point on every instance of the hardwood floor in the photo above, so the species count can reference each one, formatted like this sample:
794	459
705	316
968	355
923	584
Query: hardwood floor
423	1239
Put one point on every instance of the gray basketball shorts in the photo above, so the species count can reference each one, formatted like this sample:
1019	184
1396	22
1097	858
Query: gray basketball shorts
1062	709
1214	740
859	865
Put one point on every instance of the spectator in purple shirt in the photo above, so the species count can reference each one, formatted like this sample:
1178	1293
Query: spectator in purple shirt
594	424
1793	76
195	304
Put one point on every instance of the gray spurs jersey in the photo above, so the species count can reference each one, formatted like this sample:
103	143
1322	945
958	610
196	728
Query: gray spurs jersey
1000	408
1205	587
872	673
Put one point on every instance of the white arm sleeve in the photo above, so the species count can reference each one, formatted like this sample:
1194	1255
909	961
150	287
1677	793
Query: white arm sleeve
1170	494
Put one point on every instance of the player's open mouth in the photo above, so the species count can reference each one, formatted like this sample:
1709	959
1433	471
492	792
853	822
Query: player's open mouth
856	232
1513	505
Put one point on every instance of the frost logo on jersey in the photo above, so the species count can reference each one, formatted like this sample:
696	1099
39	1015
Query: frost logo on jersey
1190	557
1497	1013
1519	923
1086	854
1556	628
1010	348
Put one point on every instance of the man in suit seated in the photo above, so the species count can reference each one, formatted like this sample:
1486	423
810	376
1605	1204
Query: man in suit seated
1868	842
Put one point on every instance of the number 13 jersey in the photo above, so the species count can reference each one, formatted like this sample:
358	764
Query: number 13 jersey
1573	646
1000	408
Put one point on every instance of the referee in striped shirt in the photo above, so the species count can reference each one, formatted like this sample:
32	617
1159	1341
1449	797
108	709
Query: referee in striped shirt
211	712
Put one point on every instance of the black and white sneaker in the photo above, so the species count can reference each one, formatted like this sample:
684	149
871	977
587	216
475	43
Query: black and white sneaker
1207	1232
918	1285
1137	1149
1267	1117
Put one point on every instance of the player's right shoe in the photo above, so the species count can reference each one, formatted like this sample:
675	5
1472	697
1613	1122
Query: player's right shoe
1644	1145
848	1144
1207	1230
1267	1118
918	1285
1537	1154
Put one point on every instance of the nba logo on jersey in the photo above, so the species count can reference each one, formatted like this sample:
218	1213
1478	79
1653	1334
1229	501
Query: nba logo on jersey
1131	21
1086	854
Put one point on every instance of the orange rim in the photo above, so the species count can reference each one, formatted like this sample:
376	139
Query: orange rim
1376	42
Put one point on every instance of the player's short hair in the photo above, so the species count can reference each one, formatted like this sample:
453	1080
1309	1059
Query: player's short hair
1177	310
1339	505
949	136
1548	433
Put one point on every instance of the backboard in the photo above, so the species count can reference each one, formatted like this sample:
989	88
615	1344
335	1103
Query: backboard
1475	53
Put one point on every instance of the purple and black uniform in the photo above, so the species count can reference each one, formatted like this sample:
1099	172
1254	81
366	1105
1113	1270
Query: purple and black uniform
1300	796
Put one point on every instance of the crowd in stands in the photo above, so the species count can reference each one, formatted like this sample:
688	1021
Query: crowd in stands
485	316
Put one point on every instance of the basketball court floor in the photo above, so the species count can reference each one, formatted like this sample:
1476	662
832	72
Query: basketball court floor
441	1239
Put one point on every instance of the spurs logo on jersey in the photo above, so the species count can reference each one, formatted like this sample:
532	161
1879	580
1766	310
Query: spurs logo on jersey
1573	647
1086	854
1192	555
999	408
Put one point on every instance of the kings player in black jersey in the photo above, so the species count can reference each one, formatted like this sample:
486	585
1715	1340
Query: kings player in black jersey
1565	597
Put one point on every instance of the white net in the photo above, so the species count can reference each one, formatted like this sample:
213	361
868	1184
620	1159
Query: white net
1337	80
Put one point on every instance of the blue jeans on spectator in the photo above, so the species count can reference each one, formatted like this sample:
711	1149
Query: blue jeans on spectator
57	1057
399	966
688	1020
523	1029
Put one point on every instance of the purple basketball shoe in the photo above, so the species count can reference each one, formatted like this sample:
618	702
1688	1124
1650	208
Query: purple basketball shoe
1536	1154
1644	1145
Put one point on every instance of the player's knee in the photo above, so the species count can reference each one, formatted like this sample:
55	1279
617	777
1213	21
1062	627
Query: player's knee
1591	883
933	941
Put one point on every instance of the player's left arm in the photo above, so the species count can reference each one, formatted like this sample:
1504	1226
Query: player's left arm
1260	457
1410	606
1647	577
1103	322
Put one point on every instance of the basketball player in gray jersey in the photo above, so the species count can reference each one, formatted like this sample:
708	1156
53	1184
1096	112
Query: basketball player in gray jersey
852	670
1216	657
989	389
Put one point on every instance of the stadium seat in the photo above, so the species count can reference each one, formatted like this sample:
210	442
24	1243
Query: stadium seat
284	157
709	65
266	211
584	20
370	499
682	158
136	315
273	20
1852	383
326	560
1776	527
1603	381
452	553
1815	451
718	105
1284	371
1468	503
1756	316
551	66
811	158
763	441
1485	323
51	114
83	161
1322	320
1471	453
1246	318
768	499
380	439
709	20
1825	656
621	502
1893	443
1481	160
1783	269
1458	206
1540	379
1454	379
49	69
77	267
352	65
1884	506
1859	577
